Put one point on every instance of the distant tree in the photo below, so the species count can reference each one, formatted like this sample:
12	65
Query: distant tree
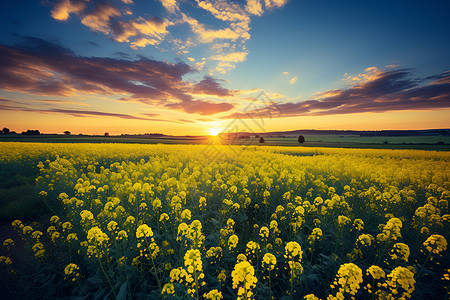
5	130
31	132
67	132
257	136
106	134
301	139
261	140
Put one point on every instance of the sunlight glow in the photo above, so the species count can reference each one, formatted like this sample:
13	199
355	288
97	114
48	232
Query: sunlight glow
214	131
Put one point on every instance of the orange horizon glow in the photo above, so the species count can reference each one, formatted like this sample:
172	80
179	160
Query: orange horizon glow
399	120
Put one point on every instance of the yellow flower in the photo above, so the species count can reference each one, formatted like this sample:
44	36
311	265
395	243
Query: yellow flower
376	272
112	226
5	260
71	272
168	289
435	244
97	237
264	232
292	250
144	231
213	295
72	237
241	257
54	220
122	235
27	229
55	236
232	242
343	220
358	224
400	251
86	215
244	280
348	278
8	243
315	235
401	277
70	269
164	217
311	297
17	224
222	276
269	262
186	214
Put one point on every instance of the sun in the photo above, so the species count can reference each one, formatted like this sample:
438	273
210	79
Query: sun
214	131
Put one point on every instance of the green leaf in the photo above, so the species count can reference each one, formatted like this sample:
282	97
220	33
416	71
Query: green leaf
122	294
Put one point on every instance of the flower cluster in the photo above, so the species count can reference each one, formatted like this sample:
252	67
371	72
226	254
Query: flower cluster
71	272
348	279
244	280
435	244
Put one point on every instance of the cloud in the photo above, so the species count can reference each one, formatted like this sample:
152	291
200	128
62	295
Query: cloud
201	107
78	113
293	80
210	86
254	7
275	3
43	68
387	91
147	32
112	18
170	5
209	35
231	57
285	73
100	17
107	18
224	10
64	8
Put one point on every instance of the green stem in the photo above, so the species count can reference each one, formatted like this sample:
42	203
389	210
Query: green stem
107	278
423	265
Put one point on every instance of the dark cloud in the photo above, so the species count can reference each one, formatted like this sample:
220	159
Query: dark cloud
92	43
201	107
387	91
11	106
210	86
45	68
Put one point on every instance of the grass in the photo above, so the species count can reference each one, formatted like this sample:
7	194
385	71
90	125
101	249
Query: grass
439	143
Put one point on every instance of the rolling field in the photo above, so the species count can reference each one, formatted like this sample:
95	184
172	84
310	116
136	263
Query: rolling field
134	221
432	142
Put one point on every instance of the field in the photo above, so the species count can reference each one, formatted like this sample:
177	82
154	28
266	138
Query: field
419	142
134	221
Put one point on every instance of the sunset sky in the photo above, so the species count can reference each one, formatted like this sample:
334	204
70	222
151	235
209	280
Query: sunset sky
186	67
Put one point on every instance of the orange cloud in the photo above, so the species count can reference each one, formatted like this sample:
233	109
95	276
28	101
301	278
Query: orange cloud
254	7
64	8
170	5
99	19
209	35
293	80
43	68
150	31
275	3
223	10
231	57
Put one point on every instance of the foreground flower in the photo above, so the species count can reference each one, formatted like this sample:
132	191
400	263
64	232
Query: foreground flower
244	280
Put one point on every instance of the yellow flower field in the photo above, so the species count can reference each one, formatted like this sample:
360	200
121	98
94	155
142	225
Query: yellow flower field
176	222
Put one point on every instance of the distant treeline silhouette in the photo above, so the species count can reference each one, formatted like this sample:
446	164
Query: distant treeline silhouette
28	132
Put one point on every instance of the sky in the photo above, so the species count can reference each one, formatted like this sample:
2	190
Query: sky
194	67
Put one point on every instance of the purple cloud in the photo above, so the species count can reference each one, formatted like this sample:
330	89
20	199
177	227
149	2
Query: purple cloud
387	91
44	68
